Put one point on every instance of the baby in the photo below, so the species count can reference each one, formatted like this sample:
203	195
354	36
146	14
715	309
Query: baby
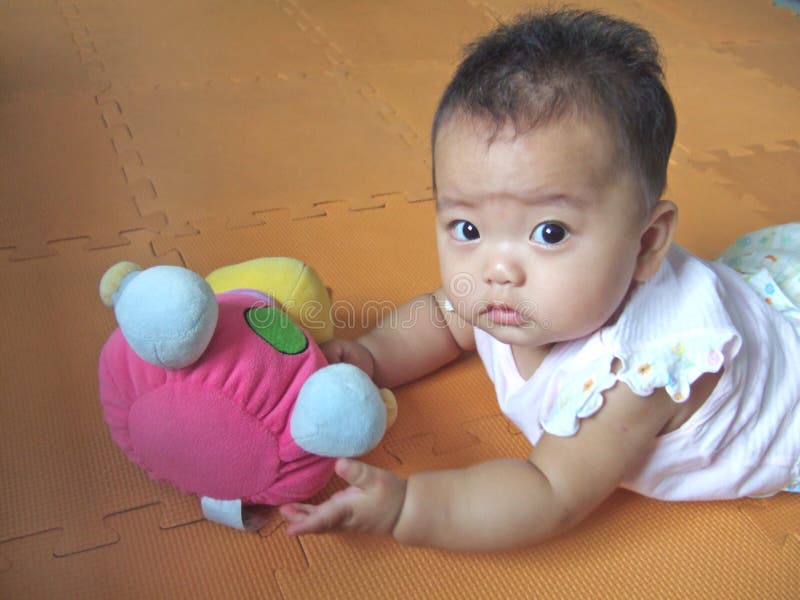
626	361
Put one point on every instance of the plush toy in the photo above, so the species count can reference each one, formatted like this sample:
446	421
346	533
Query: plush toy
212	384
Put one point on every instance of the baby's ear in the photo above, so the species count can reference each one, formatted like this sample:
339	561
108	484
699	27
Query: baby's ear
656	240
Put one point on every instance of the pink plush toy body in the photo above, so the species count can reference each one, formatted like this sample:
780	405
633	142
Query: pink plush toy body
220	427
224	395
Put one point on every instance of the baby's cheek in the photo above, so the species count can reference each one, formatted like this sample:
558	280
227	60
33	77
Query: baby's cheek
598	301
462	294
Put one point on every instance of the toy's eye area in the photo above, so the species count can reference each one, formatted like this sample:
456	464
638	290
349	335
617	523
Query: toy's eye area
549	233
464	231
276	328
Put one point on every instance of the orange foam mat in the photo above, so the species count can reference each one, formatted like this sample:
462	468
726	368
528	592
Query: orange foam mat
61	178
204	134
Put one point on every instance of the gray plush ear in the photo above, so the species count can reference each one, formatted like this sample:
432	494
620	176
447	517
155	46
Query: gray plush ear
339	413
167	314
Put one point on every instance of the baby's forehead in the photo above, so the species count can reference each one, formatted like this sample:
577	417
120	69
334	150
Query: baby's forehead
587	139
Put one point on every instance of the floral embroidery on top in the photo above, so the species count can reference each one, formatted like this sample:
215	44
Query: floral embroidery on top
672	365
580	397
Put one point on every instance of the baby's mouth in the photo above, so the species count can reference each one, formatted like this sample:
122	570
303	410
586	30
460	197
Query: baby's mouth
500	313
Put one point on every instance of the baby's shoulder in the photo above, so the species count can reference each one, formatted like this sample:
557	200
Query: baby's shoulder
673	330
683	308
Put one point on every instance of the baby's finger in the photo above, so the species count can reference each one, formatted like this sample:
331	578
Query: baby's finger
357	473
295	511
316	519
333	351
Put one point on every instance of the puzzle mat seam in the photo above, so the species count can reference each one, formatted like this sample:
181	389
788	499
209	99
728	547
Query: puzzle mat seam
19	551
716	159
96	71
729	49
390	452
133	166
344	66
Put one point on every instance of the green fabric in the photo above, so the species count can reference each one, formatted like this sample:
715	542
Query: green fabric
276	328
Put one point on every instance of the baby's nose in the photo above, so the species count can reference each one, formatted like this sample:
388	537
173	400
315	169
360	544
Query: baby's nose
504	270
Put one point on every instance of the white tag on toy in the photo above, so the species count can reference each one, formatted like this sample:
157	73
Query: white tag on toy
232	514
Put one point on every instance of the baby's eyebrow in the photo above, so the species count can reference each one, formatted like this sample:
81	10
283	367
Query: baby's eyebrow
444	202
578	200
533	199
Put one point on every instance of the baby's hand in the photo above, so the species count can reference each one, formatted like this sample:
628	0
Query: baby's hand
371	504
351	352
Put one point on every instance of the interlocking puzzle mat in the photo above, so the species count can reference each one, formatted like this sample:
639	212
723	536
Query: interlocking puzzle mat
203	134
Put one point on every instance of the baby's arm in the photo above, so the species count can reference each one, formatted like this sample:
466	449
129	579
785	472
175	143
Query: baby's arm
511	503
416	339
505	503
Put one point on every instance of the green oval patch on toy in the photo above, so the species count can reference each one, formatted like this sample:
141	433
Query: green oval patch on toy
276	328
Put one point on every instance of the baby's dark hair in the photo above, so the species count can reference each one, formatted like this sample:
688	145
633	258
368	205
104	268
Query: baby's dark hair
546	66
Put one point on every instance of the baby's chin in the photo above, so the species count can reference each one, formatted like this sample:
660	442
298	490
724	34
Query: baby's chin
527	333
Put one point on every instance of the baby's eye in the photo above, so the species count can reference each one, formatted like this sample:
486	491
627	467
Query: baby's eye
549	234
464	231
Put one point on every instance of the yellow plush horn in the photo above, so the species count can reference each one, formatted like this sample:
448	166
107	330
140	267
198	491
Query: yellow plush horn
111	280
291	282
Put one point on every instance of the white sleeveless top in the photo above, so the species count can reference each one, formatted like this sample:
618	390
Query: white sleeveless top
692	317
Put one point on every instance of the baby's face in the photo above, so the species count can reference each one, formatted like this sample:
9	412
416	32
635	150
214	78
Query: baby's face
538	234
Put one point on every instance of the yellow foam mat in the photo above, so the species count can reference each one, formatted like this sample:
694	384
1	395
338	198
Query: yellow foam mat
206	133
